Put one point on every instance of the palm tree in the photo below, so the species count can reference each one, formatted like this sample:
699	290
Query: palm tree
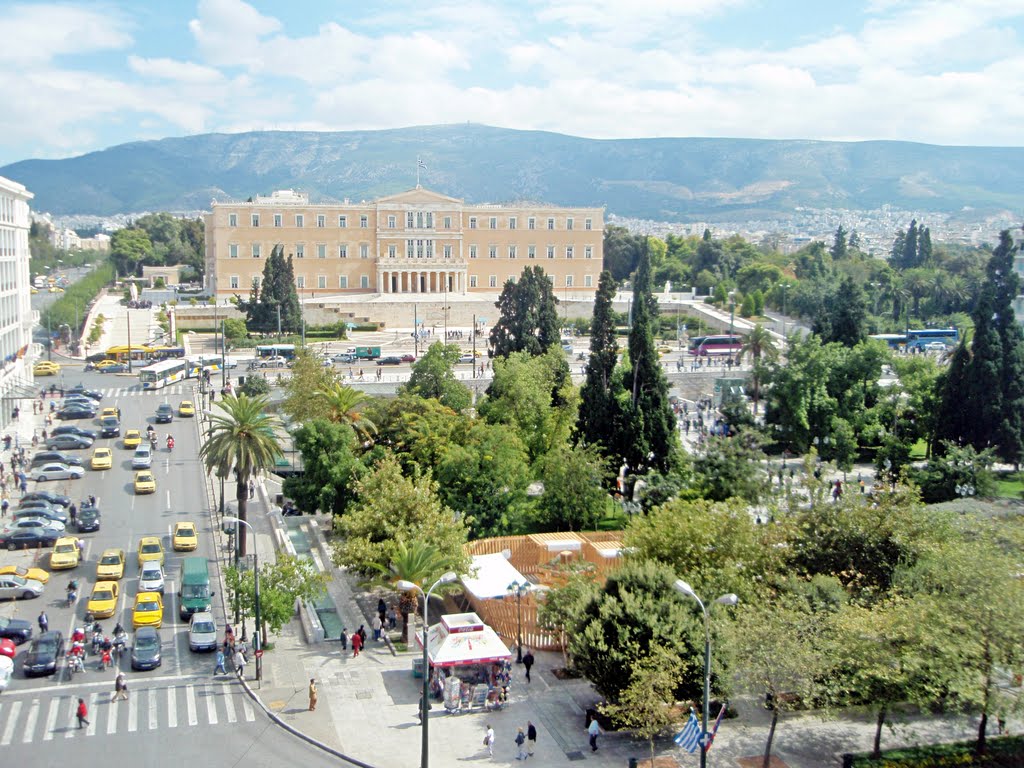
418	562
242	435
342	404
758	344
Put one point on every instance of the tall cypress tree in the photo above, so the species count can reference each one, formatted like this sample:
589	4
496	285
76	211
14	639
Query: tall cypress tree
1009	432
598	405
528	319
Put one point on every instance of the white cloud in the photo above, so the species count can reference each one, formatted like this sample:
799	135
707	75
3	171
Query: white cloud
170	69
228	32
36	34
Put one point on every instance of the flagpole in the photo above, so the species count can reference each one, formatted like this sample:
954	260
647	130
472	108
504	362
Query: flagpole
418	161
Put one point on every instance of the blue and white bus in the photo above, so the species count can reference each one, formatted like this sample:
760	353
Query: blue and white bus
165	372
287	351
920	338
894	340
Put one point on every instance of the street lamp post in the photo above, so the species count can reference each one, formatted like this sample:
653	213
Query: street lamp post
732	317
518	589
783	286
257	636
683	588
408	586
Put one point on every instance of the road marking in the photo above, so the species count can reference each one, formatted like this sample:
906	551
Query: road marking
90	730
190	702
99	684
211	707
133	714
30	722
153	719
69	733
51	718
113	711
250	715
229	705
12	721
172	709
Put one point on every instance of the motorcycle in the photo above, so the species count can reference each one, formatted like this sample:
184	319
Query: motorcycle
170	444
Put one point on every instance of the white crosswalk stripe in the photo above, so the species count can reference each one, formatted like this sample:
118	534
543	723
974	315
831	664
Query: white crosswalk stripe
23	720
136	390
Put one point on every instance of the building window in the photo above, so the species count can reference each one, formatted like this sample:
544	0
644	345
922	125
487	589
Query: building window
568	223
256	250
364	281
588	224
255	219
343	281
278	220
588	281
472	281
300	282
531	252
531	223
410	220
492	281
321	220
511	222
392	222
364	251
472	222
551	223
568	251
511	251
447	251
343	221
392	251
300	251
551	251
321	250
472	251
494	222
493	251
342	251
568	281
256	281
588	252
511	279
300	220
321	281
447	222
410	248
364	221
233	251
232	219
233	282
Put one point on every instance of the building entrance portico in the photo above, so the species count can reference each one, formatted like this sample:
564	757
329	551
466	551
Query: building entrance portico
421	280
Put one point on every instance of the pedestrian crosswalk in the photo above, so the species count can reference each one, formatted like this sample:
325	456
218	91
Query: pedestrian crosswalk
26	721
169	391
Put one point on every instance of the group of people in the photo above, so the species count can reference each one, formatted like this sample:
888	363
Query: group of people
358	640
525	740
229	649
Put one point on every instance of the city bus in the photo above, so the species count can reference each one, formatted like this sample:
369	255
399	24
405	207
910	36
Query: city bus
724	344
163	373
167	353
894	340
287	351
917	339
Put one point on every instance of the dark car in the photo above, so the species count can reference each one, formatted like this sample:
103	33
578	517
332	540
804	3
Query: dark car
57	515
87	520
55	457
110	426
115	368
164	413
74	429
76	412
43	654
389	361
146	649
27	538
92	394
17	630
54	499
68	442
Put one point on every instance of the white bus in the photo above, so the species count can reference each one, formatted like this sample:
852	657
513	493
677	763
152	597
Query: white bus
163	373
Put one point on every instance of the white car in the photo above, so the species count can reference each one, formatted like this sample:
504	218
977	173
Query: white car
202	632
36	521
57	472
16	588
6	672
143	457
273	362
151	577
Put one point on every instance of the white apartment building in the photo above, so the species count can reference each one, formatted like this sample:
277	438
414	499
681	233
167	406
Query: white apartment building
16	315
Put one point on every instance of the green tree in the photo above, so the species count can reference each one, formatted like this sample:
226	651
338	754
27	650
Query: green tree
275	302
416	430
433	376
255	386
573	498
758	345
621	251
528	319
282	582
415	561
839	246
560	607
598	413
731	466
342	405
129	247
849	318
243	437
947	476
309	376
234	328
330	465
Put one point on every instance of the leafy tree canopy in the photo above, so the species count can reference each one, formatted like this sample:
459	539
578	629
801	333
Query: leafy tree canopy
528	319
433	376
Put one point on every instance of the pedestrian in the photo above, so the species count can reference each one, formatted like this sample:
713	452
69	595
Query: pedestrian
81	548
219	669
392	617
362	633
344	638
531	738
527	663
44	622
4	505
382	609
15	413
593	730
520	745
120	688
376	625
240	664
357	644
488	739
312	694
24	483
72	512
82	713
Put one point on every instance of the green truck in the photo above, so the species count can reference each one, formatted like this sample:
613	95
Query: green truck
367	353
194	592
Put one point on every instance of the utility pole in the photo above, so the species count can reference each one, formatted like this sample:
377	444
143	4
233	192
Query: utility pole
223	379
415	332
278	323
473	336
128	314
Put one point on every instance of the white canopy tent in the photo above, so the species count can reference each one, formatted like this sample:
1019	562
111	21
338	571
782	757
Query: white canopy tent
489	577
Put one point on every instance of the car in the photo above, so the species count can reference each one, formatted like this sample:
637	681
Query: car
102	365
34	509
87	519
164	413
7	648
75	411
78	400
148	610
132	438
185	537
111	367
36	574
407	358
102	458
36	521
16	588
344	357
43	655
46	368
65	554
275	361
103	600
202	632
151	577
74	429
56	289
54	457
92	394
26	538
6	672
115	412
110	426
57	472
55	499
143	457
145	482
467	358
110	565
186	408
68	442
935	346
146	648
16	630
391	360
150	549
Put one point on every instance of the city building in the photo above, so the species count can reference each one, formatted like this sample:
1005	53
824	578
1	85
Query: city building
16	315
415	242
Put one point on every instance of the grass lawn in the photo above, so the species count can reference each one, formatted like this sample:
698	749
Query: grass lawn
918	450
1010	484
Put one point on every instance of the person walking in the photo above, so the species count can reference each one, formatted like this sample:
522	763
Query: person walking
120	688
527	663
488	739
376	625
44	622
82	713
531	738
344	638
219	669
4	506
312	694
593	730
240	664
521	745
357	644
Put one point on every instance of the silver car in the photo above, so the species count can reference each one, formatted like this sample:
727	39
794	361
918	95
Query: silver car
57	472
36	521
151	577
143	457
15	587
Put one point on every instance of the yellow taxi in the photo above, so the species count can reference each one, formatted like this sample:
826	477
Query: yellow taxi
148	611
132	439
37	574
46	368
35	290
111	565
185	537
150	548
102	458
186	408
56	289
109	412
145	482
65	553
103	600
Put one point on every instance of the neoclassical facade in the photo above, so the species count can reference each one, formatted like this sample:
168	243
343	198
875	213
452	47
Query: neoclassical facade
415	242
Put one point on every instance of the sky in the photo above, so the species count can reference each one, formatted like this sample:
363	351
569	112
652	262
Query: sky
83	76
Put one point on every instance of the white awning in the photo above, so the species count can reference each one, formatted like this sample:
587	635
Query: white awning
489	577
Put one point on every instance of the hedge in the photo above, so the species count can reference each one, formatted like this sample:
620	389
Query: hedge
77	297
1004	752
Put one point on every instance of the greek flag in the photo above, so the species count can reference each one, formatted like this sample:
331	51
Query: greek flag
421	164
689	737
